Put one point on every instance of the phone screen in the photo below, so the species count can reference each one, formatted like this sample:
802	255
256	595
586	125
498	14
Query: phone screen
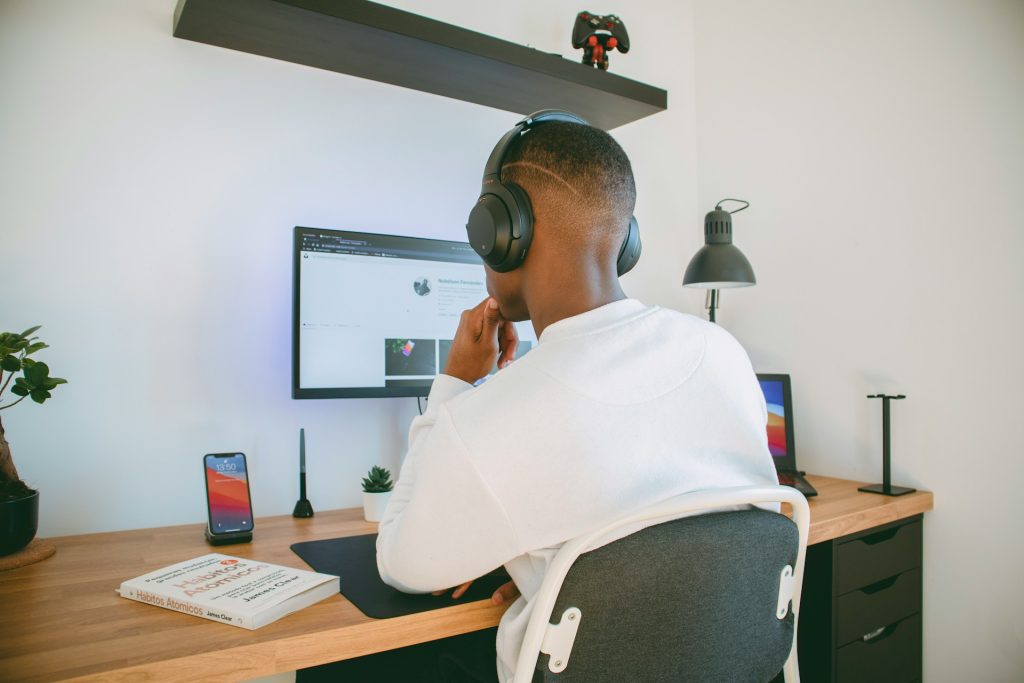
227	493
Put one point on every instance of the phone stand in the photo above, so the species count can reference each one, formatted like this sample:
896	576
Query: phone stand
228	539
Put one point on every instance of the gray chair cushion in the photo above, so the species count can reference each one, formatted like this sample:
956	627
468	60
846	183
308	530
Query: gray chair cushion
693	599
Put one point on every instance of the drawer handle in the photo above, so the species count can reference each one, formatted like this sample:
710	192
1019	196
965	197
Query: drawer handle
881	537
880	634
868	637
880	585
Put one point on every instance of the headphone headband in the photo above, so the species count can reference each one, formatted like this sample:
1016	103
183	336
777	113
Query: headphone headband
497	158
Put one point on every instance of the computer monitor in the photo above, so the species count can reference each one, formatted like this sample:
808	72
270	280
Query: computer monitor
374	315
779	400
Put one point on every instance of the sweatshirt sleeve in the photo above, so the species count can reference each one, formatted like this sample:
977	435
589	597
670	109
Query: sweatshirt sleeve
443	526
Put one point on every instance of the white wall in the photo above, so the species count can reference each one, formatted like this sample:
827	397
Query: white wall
148	187
881	146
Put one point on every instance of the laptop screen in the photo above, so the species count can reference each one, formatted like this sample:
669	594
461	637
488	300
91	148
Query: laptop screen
778	398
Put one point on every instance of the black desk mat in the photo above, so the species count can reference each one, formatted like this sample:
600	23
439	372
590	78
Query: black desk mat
354	559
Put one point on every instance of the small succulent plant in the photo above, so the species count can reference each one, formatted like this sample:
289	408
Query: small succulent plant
378	480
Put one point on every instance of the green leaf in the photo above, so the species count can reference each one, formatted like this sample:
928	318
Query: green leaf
10	363
39	395
32	348
37	372
27	362
7	343
51	382
29	331
20	389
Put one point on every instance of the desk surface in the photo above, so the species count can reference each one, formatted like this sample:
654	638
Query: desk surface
61	618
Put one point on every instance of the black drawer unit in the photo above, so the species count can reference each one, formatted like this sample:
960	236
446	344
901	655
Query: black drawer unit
860	610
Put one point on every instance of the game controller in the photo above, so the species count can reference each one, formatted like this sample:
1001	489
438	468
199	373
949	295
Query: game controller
597	35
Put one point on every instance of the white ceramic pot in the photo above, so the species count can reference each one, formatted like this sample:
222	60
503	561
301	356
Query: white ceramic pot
374	504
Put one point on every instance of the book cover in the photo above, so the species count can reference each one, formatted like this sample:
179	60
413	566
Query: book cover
231	590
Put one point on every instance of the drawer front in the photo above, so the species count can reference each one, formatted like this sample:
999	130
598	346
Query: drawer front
866	609
893	656
871	558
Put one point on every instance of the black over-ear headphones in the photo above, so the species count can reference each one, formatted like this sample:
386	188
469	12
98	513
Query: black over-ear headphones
500	226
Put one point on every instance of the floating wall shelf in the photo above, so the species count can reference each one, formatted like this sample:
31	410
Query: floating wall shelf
385	44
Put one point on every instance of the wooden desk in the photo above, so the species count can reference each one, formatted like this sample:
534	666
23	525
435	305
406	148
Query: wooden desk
61	619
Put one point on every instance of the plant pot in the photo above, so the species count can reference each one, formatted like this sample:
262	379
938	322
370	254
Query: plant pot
374	504
19	520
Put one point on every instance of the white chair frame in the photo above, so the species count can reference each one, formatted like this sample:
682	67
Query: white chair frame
540	633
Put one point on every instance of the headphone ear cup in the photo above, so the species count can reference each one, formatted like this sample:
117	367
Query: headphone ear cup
521	212
488	228
629	252
500	227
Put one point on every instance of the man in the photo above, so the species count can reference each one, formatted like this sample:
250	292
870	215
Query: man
618	406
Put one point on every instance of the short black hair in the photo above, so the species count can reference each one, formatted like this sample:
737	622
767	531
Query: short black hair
583	168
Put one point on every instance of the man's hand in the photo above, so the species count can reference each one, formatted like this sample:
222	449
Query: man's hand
483	335
457	592
507	592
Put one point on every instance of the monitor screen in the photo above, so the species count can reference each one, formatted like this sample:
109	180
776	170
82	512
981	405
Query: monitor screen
777	398
374	315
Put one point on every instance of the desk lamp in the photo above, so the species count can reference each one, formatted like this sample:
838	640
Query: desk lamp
719	264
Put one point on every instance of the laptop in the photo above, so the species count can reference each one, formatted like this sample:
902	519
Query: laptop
779	398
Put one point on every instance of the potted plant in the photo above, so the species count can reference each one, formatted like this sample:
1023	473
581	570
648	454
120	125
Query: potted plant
19	504
377	487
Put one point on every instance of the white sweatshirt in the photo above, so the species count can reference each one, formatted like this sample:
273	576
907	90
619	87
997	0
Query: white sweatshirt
614	409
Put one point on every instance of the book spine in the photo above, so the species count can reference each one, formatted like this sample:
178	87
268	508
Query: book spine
186	607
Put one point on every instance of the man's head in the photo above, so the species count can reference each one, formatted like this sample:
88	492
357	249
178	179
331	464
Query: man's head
581	190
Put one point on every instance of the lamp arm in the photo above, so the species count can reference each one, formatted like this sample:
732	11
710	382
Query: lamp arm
712	304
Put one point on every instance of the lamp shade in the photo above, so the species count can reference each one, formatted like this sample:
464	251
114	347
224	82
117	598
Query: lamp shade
718	264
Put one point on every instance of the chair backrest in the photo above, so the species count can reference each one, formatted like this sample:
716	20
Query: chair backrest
711	597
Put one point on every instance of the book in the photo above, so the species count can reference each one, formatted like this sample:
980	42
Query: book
231	590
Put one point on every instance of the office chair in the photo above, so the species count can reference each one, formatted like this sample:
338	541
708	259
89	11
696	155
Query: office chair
712	597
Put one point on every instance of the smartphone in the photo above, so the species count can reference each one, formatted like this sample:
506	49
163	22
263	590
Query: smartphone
227	493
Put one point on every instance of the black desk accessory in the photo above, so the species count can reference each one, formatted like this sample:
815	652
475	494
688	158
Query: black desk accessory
354	559
886	488
228	539
303	508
